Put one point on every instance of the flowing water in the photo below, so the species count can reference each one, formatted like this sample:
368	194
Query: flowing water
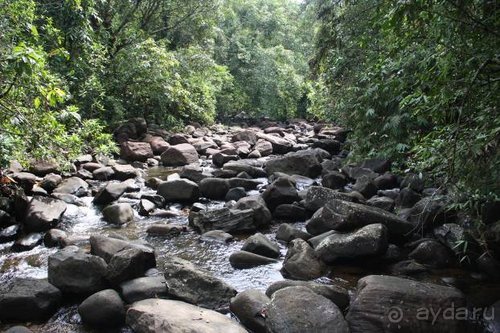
82	221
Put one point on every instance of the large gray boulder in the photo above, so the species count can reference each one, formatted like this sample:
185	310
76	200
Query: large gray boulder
318	196
260	244
179	190
159	315
188	283
143	288
245	259
279	144
367	241
261	215
27	299
73	185
228	220
248	306
119	213
298	163
299	309
136	151
301	262
43	213
335	293
345	216
103	309
394	304
281	191
76	272
179	155
110	193
214	188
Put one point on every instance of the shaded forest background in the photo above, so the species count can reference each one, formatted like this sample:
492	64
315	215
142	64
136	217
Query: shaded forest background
415	81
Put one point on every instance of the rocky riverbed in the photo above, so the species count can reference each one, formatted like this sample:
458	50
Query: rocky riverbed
238	228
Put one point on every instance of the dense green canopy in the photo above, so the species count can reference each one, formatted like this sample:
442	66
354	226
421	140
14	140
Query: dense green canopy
415	81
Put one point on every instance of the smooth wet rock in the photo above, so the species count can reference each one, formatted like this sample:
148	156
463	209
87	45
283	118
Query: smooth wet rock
103	173
110	193
179	155
179	190
119	213
135	151
214	188
124	172
334	180
55	238
103	309
393	304
240	166
51	181
335	293
288	233
28	299
217	236
313	313
281	191
261	215
155	315
73	185
143	288
219	159
129	264
244	260
290	212
146	207
106	247
186	282
247	306
368	241
165	229
260	244
28	242
433	254
74	271
43	213
9	233
301	262
235	194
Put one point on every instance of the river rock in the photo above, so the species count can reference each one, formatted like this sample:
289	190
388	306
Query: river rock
143	288
280	145
42	168
73	185
103	173
260	244
158	145
336	294
9	233
219	159
407	198
103	309
298	163
247	306
384	203
27	242
386	181
106	247
225	219
344	216
430	212
18	329
124	172
288	233
74	271
301	262
299	309
43	213
261	215
214	188
246	135
130	263
414	182
51	181
119	213
433	254
290	212
217	236
281	191
244	260
179	190
188	283
265	148
179	155
318	196
367	241
334	180
365	186
393	304
110	193
241	166
135	151
55	238
165	229
28	299
158	315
